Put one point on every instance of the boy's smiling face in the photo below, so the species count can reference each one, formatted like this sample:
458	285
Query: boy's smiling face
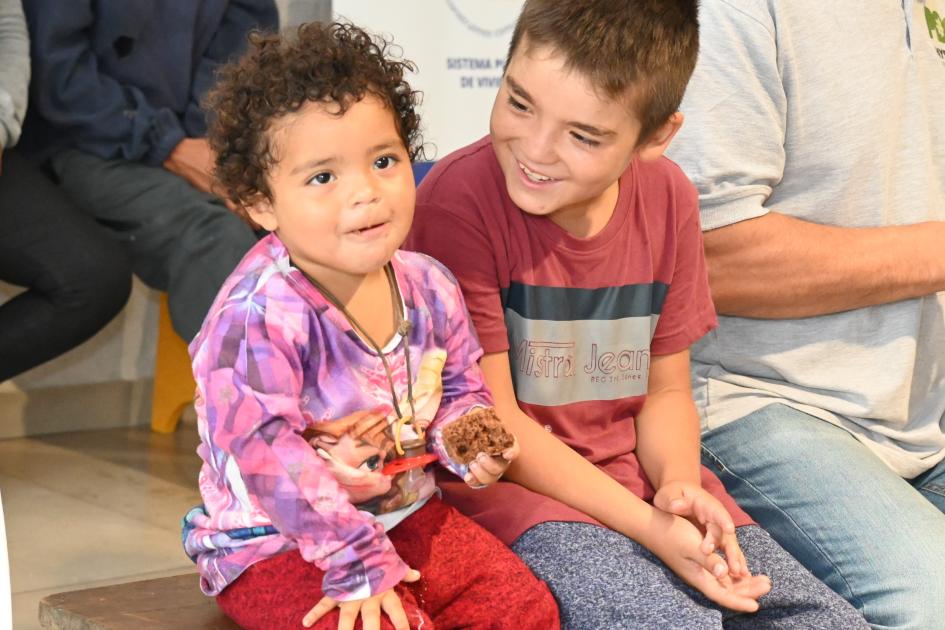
342	187
562	144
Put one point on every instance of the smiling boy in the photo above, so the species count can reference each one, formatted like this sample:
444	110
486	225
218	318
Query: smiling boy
578	250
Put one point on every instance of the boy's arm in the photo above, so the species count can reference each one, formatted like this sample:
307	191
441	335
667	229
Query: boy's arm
547	466
668	425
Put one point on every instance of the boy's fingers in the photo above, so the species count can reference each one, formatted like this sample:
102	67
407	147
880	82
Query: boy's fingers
714	564
324	605
712	539
734	555
392	605
412	576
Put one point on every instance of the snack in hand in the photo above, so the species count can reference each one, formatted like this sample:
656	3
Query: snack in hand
479	431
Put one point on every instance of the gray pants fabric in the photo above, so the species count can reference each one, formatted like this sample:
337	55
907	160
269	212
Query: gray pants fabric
180	239
602	579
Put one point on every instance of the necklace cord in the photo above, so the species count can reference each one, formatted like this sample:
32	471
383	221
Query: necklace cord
402	327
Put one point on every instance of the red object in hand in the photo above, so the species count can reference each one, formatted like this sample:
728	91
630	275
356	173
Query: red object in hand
401	465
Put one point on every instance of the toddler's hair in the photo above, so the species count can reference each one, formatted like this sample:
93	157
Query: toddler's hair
336	63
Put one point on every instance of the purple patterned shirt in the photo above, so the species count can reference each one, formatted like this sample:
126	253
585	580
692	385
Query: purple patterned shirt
274	359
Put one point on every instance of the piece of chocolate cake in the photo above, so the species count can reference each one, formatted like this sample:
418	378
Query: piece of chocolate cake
479	431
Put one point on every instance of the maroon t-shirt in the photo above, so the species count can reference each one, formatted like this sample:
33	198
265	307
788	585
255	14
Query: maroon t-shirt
579	317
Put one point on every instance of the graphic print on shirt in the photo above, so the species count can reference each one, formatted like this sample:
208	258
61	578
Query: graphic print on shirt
935	21
571	345
356	450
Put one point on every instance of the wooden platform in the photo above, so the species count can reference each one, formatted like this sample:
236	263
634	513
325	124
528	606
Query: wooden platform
171	602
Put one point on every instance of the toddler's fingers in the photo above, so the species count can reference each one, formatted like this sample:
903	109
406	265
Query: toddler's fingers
324	605
394	608
492	466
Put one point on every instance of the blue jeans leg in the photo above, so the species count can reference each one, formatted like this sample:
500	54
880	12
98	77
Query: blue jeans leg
872	536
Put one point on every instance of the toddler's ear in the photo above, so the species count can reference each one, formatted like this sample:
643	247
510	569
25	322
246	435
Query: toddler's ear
261	212
654	146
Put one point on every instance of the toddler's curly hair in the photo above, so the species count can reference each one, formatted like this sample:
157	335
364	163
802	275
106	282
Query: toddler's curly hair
331	63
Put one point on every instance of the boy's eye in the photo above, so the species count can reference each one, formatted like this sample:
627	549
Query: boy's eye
517	104
371	463
584	139
386	161
322	178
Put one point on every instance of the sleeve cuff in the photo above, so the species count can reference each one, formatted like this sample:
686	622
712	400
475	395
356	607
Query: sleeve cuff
718	210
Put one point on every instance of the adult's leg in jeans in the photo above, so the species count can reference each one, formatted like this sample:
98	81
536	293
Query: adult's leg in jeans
77	277
182	240
603	579
839	510
932	485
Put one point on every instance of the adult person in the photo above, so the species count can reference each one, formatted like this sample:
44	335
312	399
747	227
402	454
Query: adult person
816	137
76	277
116	94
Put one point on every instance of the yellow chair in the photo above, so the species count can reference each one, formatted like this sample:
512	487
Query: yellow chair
174	385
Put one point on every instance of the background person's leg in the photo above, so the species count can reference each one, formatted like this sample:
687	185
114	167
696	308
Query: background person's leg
603	579
77	277
834	506
181	240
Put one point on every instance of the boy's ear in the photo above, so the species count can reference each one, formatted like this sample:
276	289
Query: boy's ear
261	212
659	140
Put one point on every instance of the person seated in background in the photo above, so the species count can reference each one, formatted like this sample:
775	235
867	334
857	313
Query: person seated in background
116	115
76	276
816	137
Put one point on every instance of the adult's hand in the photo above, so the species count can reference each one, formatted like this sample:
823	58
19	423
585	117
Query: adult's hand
193	159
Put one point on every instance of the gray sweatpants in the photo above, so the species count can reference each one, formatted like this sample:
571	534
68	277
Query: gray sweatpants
602	579
180	239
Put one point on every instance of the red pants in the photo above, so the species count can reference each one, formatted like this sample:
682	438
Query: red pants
468	580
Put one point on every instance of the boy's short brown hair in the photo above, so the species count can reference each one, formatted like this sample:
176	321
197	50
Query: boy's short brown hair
646	49
336	63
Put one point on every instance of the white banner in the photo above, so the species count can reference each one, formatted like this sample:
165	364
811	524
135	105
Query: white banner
459	47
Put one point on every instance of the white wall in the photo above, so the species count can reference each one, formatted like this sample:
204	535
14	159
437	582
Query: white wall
459	47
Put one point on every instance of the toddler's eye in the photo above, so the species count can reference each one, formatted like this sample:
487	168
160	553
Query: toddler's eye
322	178
371	463
386	161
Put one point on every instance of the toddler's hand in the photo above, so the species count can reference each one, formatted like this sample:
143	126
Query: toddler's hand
695	503
486	469
369	609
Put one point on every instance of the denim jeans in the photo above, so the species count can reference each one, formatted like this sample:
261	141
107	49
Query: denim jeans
875	538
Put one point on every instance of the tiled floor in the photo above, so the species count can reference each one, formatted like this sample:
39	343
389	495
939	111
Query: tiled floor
94	507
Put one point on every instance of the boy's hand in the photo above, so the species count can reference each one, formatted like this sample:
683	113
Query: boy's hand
369	609
695	503
679	545
486	469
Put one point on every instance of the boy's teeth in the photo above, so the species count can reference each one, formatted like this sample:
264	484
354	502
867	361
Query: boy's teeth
532	175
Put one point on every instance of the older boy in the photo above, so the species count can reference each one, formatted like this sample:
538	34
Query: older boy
579	253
